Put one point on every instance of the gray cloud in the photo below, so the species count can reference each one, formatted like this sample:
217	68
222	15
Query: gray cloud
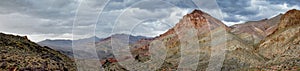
50	18
136	16
137	11
150	5
289	2
47	9
54	18
249	10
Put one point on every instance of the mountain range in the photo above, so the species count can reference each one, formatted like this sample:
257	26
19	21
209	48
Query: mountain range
65	46
267	44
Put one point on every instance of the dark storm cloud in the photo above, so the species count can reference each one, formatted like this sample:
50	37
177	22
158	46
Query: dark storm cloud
235	7
150	5
249	10
289	2
182	3
37	17
49	9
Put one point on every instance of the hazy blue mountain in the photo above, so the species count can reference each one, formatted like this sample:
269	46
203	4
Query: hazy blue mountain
65	46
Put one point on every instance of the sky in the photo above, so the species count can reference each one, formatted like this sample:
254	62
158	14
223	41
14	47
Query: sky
75	19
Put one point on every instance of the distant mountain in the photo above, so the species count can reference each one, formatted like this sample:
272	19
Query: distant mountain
132	39
65	46
84	40
20	54
104	47
268	44
254	31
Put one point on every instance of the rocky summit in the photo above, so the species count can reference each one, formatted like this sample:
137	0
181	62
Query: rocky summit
268	44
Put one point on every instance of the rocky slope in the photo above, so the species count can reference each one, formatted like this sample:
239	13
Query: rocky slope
269	44
282	47
20	54
254	31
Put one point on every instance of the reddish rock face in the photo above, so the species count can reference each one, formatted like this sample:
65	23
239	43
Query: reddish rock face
196	18
199	20
252	45
103	62
112	60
